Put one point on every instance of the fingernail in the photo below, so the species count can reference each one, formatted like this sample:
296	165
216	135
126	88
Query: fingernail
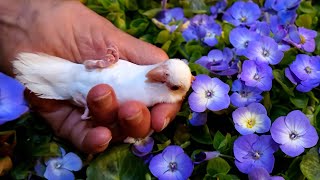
106	143
104	100
102	95
136	116
165	124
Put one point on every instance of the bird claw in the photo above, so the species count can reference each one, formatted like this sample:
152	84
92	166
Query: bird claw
80	100
111	57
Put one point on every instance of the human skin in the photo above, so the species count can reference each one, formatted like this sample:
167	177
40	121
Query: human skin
68	29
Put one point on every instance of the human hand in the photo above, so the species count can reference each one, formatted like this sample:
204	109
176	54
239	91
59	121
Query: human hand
69	30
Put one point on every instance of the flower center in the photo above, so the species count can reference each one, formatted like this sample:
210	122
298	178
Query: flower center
209	94
256	155
244	94
293	136
256	77
58	165
209	34
173	166
265	53
303	39
308	70
246	44
243	19
251	123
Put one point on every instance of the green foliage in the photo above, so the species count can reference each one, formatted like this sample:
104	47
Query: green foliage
117	163
310	164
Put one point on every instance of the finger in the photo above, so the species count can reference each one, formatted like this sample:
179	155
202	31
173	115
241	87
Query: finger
102	104
163	114
134	119
81	133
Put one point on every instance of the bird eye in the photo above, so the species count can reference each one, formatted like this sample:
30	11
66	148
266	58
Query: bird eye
175	87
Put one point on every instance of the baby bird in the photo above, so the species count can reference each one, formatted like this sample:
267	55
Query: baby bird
52	77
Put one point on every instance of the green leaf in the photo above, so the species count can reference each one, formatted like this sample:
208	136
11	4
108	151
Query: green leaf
117	163
222	143
310	164
289	57
131	5
280	78
181	134
217	166
163	37
267	103
304	20
46	150
152	12
138	26
226	28
293	171
317	39
306	7
300	100
192	46
166	46
201	134
198	69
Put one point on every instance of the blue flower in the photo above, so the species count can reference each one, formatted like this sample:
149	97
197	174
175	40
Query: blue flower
240	37
303	39
61	167
12	103
262	173
257	75
304	72
198	119
209	93
218	7
242	13
262	28
264	50
251	119
171	18
244	95
219	62
205	156
141	146
294	133
252	151
172	163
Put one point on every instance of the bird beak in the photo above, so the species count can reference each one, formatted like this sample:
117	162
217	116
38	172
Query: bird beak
158	74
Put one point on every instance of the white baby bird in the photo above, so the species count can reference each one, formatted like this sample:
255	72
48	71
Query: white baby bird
52	77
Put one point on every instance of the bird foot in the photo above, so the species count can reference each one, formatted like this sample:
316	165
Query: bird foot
80	100
111	57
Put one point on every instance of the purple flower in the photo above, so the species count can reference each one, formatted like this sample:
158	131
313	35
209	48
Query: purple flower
303	39
294	133
240	37
218	7
264	50
280	5
141	146
261	173
209	93
172	163
244	95
252	151
205	156
304	72
251	119
262	28
12	103
198	119
211	32
61	167
257	75
170	18
219	62
242	13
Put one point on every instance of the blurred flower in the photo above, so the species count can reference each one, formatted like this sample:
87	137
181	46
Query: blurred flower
285	10
202	27
261	173
257	75
240	37
264	50
304	72
209	93
262	28
61	167
253	151
12	103
205	156
219	62
251	119
294	133
172	163
218	7
244	95
303	39
141	146
171	18
198	119
242	13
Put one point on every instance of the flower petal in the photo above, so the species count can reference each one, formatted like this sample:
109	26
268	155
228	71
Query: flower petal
279	131
158	166
185	165
53	173
170	153
72	162
292	148
197	102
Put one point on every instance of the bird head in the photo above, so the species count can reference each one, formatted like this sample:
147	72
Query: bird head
174	73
